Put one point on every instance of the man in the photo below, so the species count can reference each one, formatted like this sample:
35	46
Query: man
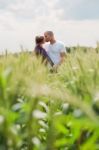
55	49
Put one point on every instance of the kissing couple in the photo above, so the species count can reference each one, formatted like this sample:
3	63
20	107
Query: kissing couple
53	52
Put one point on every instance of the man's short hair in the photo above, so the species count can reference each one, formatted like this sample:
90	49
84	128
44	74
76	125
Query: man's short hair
50	33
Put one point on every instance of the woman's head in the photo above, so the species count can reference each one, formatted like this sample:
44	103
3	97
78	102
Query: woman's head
39	40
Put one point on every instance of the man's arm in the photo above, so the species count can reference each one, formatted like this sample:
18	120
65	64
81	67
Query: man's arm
62	57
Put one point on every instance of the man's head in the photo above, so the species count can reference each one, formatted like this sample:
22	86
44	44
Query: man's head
49	36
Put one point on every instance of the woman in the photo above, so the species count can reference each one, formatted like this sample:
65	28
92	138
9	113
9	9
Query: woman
40	51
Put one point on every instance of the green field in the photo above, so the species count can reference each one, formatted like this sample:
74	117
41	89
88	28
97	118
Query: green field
40	110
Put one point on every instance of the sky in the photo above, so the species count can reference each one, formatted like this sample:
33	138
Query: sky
72	21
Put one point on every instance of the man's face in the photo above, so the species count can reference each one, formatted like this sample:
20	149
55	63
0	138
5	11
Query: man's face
47	37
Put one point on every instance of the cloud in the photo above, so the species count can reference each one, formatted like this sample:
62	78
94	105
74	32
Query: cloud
79	9
61	9
27	10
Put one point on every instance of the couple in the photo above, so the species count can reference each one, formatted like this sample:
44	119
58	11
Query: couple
53	52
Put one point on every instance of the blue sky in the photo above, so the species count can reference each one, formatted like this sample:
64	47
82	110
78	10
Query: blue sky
73	22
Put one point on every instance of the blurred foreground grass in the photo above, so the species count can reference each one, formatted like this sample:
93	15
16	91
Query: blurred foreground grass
40	110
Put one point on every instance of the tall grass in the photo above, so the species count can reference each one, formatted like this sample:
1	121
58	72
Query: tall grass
40	110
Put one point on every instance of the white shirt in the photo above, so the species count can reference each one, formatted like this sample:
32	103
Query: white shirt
54	51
